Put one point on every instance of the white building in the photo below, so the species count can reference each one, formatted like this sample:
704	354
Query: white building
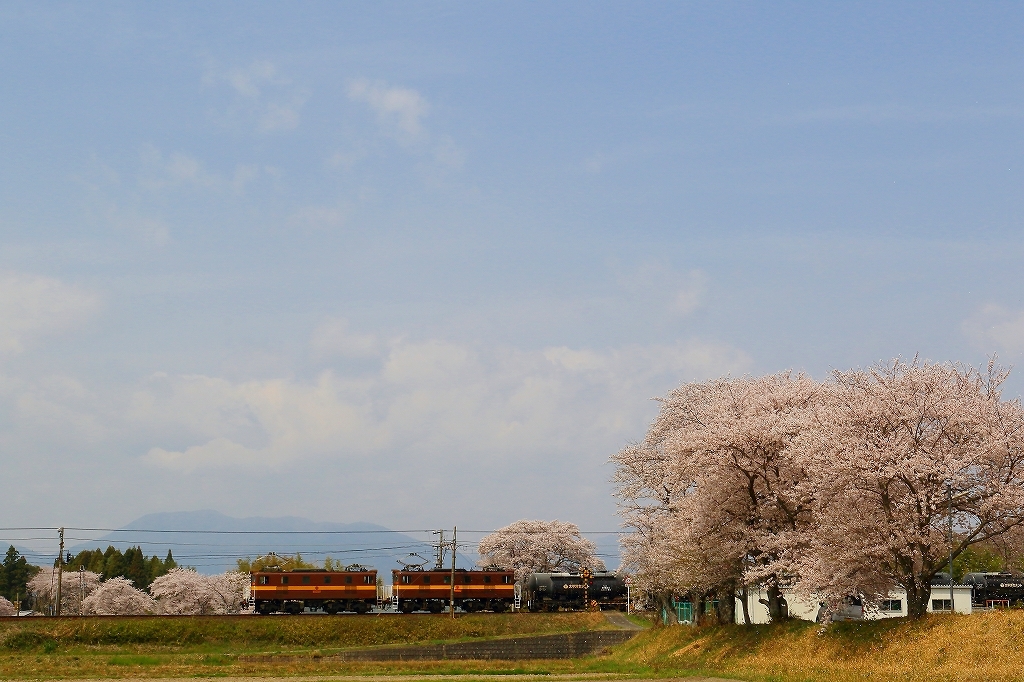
893	607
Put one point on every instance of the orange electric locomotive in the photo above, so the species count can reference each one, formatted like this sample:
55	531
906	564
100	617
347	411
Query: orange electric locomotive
420	590
353	589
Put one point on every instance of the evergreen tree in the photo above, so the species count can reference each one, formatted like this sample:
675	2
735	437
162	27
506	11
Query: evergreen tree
15	572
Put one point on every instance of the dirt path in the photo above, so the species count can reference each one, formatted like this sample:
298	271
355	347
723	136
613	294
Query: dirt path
414	678
619	620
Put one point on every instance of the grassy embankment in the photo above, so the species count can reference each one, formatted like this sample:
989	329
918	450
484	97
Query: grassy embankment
978	647
111	647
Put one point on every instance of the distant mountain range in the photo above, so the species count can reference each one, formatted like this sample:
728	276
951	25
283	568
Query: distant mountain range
212	542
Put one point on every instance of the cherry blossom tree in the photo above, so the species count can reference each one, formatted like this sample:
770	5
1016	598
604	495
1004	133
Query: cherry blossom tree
231	588
118	597
7	608
183	591
892	452
713	493
830	489
538	546
75	586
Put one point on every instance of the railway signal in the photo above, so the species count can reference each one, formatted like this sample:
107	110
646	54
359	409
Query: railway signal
588	579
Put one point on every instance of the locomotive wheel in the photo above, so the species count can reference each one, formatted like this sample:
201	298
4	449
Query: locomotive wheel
435	606
361	607
407	607
499	606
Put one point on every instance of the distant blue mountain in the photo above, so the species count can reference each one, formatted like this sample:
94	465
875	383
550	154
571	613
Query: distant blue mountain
212	542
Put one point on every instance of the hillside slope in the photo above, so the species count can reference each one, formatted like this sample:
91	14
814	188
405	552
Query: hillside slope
977	647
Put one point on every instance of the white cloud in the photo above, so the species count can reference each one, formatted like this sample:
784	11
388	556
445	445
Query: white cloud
996	328
398	109
427	401
181	170
333	339
267	99
32	306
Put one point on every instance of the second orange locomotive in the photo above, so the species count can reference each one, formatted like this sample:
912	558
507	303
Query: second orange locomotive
485	590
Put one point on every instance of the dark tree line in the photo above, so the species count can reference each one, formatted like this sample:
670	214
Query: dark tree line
15	572
132	564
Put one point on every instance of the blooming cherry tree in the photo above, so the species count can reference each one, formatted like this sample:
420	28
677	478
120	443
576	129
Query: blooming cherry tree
538	546
895	450
832	489
183	591
118	597
714	494
7	608
75	586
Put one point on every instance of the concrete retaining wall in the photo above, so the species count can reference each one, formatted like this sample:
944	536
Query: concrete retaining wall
570	645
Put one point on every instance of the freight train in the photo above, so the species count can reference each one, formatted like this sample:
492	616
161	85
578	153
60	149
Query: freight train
554	591
995	589
356	590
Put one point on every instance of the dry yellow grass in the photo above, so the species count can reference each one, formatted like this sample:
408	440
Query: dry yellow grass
978	647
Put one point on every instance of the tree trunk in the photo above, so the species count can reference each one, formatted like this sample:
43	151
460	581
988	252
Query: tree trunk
727	604
667	611
745	596
917	597
778	609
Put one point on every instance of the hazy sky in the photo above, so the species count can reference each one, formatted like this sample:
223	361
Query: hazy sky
425	264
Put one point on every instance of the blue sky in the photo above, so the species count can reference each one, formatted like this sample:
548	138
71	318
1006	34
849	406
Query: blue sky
427	263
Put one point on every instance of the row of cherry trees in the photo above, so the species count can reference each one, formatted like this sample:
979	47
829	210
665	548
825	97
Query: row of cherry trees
181	591
826	488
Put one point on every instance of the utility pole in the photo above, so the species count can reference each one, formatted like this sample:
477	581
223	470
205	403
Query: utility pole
60	568
949	492
587	575
455	536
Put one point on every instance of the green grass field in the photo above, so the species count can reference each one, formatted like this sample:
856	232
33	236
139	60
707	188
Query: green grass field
130	647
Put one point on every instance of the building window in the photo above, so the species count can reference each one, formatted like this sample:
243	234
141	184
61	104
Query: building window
941	605
892	605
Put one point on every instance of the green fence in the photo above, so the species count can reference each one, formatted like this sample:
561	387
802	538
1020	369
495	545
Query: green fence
684	610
